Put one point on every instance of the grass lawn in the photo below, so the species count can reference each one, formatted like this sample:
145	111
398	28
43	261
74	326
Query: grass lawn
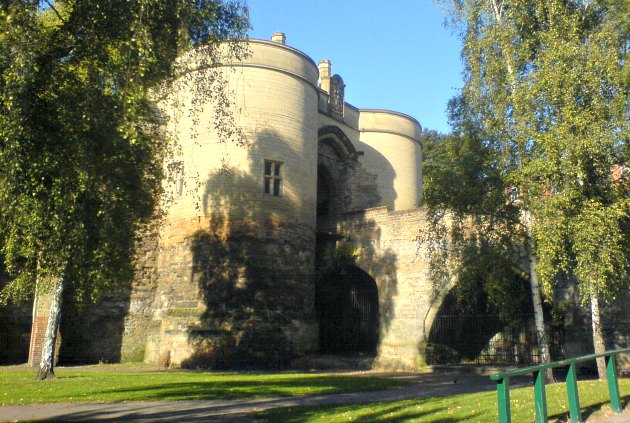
479	407
94	385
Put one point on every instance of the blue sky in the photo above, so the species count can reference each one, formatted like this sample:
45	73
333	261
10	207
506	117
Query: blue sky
393	55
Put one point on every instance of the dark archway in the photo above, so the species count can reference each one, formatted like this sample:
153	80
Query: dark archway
468	329
325	191
347	305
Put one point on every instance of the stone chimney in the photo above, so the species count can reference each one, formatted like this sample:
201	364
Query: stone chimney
279	37
324	75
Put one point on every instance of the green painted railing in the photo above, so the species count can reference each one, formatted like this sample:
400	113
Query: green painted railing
540	398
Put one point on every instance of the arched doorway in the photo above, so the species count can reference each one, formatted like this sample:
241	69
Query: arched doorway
347	305
324	191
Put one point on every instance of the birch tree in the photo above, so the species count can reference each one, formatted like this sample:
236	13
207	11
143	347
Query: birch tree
548	80
80	158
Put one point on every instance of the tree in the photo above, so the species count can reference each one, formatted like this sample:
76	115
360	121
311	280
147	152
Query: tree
80	152
548	81
474	235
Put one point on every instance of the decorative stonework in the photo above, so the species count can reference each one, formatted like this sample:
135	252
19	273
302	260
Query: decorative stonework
337	92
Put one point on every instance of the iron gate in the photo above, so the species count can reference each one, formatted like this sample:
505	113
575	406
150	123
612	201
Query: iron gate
347	305
488	339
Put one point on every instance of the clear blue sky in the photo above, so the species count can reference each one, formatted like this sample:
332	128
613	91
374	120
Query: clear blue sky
393	55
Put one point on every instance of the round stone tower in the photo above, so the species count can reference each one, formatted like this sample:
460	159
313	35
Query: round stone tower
236	251
392	151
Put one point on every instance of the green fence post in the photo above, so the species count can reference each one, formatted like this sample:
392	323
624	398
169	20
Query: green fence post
540	396
572	393
503	400
613	385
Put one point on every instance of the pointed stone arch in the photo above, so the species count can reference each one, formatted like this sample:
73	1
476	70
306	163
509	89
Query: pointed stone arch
339	141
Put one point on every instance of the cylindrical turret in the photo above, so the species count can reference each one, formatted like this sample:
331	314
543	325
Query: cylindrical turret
391	145
236	265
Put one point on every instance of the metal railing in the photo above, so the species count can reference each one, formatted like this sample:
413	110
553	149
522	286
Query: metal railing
540	398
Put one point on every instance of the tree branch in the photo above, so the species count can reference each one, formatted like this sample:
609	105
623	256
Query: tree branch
52	7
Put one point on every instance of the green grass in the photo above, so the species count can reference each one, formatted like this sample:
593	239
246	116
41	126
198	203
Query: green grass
72	385
479	407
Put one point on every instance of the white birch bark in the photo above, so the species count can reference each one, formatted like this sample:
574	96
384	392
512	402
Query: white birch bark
46	366
598	338
539	317
541	332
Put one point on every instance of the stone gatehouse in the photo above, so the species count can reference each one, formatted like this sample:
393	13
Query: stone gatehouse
303	241
246	269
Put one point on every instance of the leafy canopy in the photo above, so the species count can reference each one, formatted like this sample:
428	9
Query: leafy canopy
80	156
474	235
547	80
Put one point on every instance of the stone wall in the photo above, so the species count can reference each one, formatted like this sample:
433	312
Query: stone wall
15	329
578	334
92	332
142	296
616	325
388	251
235	295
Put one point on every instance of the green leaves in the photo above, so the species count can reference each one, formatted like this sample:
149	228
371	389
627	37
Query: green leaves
80	155
545	80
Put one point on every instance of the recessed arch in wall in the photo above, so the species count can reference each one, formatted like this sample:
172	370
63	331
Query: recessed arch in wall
347	305
336	157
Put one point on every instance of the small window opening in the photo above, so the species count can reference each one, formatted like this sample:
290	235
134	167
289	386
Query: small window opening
176	177
273	178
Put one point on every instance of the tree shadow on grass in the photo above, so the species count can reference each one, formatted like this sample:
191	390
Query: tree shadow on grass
254	388
587	412
364	412
204	411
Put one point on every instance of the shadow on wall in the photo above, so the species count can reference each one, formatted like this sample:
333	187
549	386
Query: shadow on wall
385	171
350	258
253	264
15	327
90	332
93	332
383	266
616	323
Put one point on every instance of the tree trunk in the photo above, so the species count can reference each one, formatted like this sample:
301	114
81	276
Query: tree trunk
541	332
539	318
46	367
598	338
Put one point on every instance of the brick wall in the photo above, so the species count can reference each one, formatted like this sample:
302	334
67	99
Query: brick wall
41	310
